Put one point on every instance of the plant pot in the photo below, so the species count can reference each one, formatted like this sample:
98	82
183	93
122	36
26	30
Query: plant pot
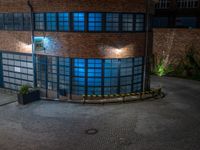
28	98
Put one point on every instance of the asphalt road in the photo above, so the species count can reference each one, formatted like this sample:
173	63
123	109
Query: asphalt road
172	123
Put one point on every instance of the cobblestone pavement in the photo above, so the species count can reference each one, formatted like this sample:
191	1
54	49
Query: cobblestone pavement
172	123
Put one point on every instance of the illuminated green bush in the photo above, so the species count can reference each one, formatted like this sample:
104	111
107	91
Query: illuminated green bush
161	69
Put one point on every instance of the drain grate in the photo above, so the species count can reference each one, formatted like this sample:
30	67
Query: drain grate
91	131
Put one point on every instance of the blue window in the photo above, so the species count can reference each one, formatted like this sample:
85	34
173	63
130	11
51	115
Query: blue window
63	21
137	87
18	21
80	72
94	72
139	25
8	21
39	21
51	22
27	21
94	81
94	63
79	21
112	22
1	21
137	78
111	72
160	22
110	82
95	21
79	81
186	22
78	90
138	70
127	22
138	61
79	62
110	90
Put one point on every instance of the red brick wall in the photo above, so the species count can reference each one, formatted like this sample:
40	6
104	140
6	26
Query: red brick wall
74	5
89	45
173	44
86	45
15	41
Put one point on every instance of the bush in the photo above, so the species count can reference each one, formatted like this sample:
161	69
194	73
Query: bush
162	70
24	89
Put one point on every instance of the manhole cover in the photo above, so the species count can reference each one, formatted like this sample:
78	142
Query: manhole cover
91	131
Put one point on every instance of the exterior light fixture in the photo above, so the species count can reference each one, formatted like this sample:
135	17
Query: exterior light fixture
39	43
118	50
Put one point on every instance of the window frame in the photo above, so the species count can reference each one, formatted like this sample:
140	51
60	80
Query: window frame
44	21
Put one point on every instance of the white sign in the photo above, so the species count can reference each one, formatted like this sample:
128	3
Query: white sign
17	69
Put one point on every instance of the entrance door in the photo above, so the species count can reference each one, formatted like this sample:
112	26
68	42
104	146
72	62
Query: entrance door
53	77
47	76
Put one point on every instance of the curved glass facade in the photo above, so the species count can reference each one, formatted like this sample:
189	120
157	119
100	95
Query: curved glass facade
77	76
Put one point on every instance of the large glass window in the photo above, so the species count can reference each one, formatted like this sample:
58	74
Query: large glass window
95	21
78	80
139	25
112	22
127	22
94	76
64	76
79	21
63	21
18	21
51	22
39	21
27	21
8	21
17	70
188	22
160	22
1	21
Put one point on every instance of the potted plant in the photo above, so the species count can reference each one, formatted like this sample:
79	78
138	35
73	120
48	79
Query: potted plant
27	95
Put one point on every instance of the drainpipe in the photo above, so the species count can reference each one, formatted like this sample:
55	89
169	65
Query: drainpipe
145	73
32	40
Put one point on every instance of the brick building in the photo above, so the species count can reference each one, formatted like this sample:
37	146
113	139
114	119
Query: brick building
74	48
176	30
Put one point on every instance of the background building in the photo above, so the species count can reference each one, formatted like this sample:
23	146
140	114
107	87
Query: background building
176	34
88	47
177	14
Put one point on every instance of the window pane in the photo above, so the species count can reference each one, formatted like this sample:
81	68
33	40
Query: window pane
51	22
27	21
127	22
139	26
79	21
1	21
8	20
112	22
63	21
39	21
18	21
95	22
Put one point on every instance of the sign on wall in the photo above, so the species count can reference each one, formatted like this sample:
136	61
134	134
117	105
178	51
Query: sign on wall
39	43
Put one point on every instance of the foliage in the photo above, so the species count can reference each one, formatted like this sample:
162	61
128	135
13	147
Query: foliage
161	69
24	89
190	65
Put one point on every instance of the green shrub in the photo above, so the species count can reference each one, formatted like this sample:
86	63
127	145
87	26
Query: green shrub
162	70
24	89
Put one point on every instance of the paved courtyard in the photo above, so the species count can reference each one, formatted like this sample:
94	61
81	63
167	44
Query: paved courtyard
172	123
7	97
